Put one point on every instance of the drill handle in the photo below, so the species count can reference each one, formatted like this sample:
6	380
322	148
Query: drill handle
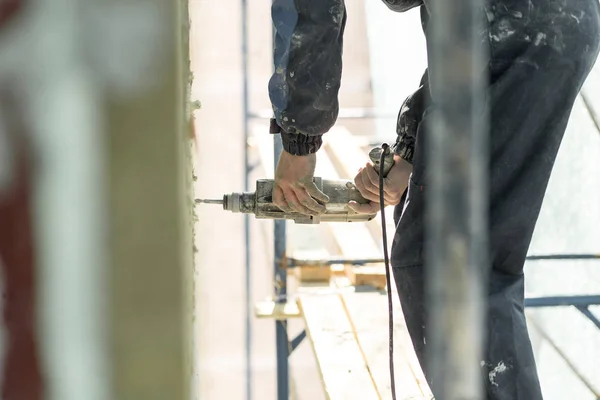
388	162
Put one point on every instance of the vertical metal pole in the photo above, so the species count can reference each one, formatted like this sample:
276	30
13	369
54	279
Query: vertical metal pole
280	281
247	282
457	200
280	285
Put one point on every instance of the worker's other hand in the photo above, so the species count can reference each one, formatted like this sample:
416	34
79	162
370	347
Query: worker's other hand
394	184
294	188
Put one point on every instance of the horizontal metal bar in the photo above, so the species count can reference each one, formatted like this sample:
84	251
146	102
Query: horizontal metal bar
344	113
326	262
560	301
586	311
564	257
297	340
294	262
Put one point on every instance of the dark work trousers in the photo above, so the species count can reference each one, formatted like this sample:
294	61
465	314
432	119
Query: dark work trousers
541	51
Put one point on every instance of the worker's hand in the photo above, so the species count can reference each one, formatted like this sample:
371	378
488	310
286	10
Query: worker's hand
394	184
294	188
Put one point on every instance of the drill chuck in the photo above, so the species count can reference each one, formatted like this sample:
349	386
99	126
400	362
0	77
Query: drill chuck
240	203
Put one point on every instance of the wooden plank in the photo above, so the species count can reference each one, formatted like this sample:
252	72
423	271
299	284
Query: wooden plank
354	240
368	313
591	94
367	275
270	309
343	369
308	244
338	270
315	273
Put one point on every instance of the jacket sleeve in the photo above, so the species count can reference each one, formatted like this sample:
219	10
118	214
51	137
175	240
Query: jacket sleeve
413	109
308	67
402	5
409	118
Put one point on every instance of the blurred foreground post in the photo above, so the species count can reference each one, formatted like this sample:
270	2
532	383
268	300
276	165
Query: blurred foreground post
456	209
150	207
95	203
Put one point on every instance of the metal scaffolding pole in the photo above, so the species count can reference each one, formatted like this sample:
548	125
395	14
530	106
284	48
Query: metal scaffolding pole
282	343
247	242
456	248
280	284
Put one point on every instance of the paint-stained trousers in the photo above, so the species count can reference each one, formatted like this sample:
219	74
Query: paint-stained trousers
541	52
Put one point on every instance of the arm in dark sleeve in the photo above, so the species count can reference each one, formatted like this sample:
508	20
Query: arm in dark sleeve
409	118
413	109
308	68
402	5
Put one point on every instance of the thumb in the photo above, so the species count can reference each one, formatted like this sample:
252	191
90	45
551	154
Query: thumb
315	193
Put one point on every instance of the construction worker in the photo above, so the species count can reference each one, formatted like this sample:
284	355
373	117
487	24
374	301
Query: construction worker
541	51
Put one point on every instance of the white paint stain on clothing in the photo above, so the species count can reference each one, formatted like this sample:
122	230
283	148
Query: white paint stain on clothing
337	13
503	31
538	39
500	368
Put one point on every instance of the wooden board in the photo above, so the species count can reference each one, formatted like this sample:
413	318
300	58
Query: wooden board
310	274
368	312
270	309
344	372
366	275
313	274
591	94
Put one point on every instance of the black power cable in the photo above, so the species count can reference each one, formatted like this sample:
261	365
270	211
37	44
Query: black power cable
386	259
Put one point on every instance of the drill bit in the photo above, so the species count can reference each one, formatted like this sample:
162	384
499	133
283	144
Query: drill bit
208	201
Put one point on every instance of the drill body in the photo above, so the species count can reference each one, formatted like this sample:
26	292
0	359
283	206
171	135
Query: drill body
340	192
260	203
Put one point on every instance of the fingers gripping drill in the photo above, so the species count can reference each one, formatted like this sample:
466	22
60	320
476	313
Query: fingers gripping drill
340	192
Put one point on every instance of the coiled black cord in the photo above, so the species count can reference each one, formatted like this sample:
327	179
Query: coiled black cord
386	259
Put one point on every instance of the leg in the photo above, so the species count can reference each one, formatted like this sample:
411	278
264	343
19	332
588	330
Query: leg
541	53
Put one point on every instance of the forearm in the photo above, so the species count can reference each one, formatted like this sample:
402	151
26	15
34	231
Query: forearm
308	68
